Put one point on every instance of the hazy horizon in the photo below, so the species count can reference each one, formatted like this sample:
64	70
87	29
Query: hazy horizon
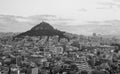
75	16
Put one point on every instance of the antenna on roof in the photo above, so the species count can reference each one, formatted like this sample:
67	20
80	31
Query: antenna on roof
43	20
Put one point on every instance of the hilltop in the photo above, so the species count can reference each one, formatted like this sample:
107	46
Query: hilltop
43	29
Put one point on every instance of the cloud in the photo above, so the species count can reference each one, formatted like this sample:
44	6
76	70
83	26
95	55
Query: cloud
82	10
116	0
10	23
106	22
49	18
1	28
109	4
52	19
21	24
106	27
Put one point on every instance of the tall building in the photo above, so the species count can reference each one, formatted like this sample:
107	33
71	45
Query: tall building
18	60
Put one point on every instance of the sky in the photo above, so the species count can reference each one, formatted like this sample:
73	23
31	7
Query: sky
83	12
79	9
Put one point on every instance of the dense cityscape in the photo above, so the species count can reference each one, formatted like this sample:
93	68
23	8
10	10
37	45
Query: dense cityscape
45	50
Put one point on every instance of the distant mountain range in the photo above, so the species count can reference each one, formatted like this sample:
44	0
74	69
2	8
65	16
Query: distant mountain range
11	23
